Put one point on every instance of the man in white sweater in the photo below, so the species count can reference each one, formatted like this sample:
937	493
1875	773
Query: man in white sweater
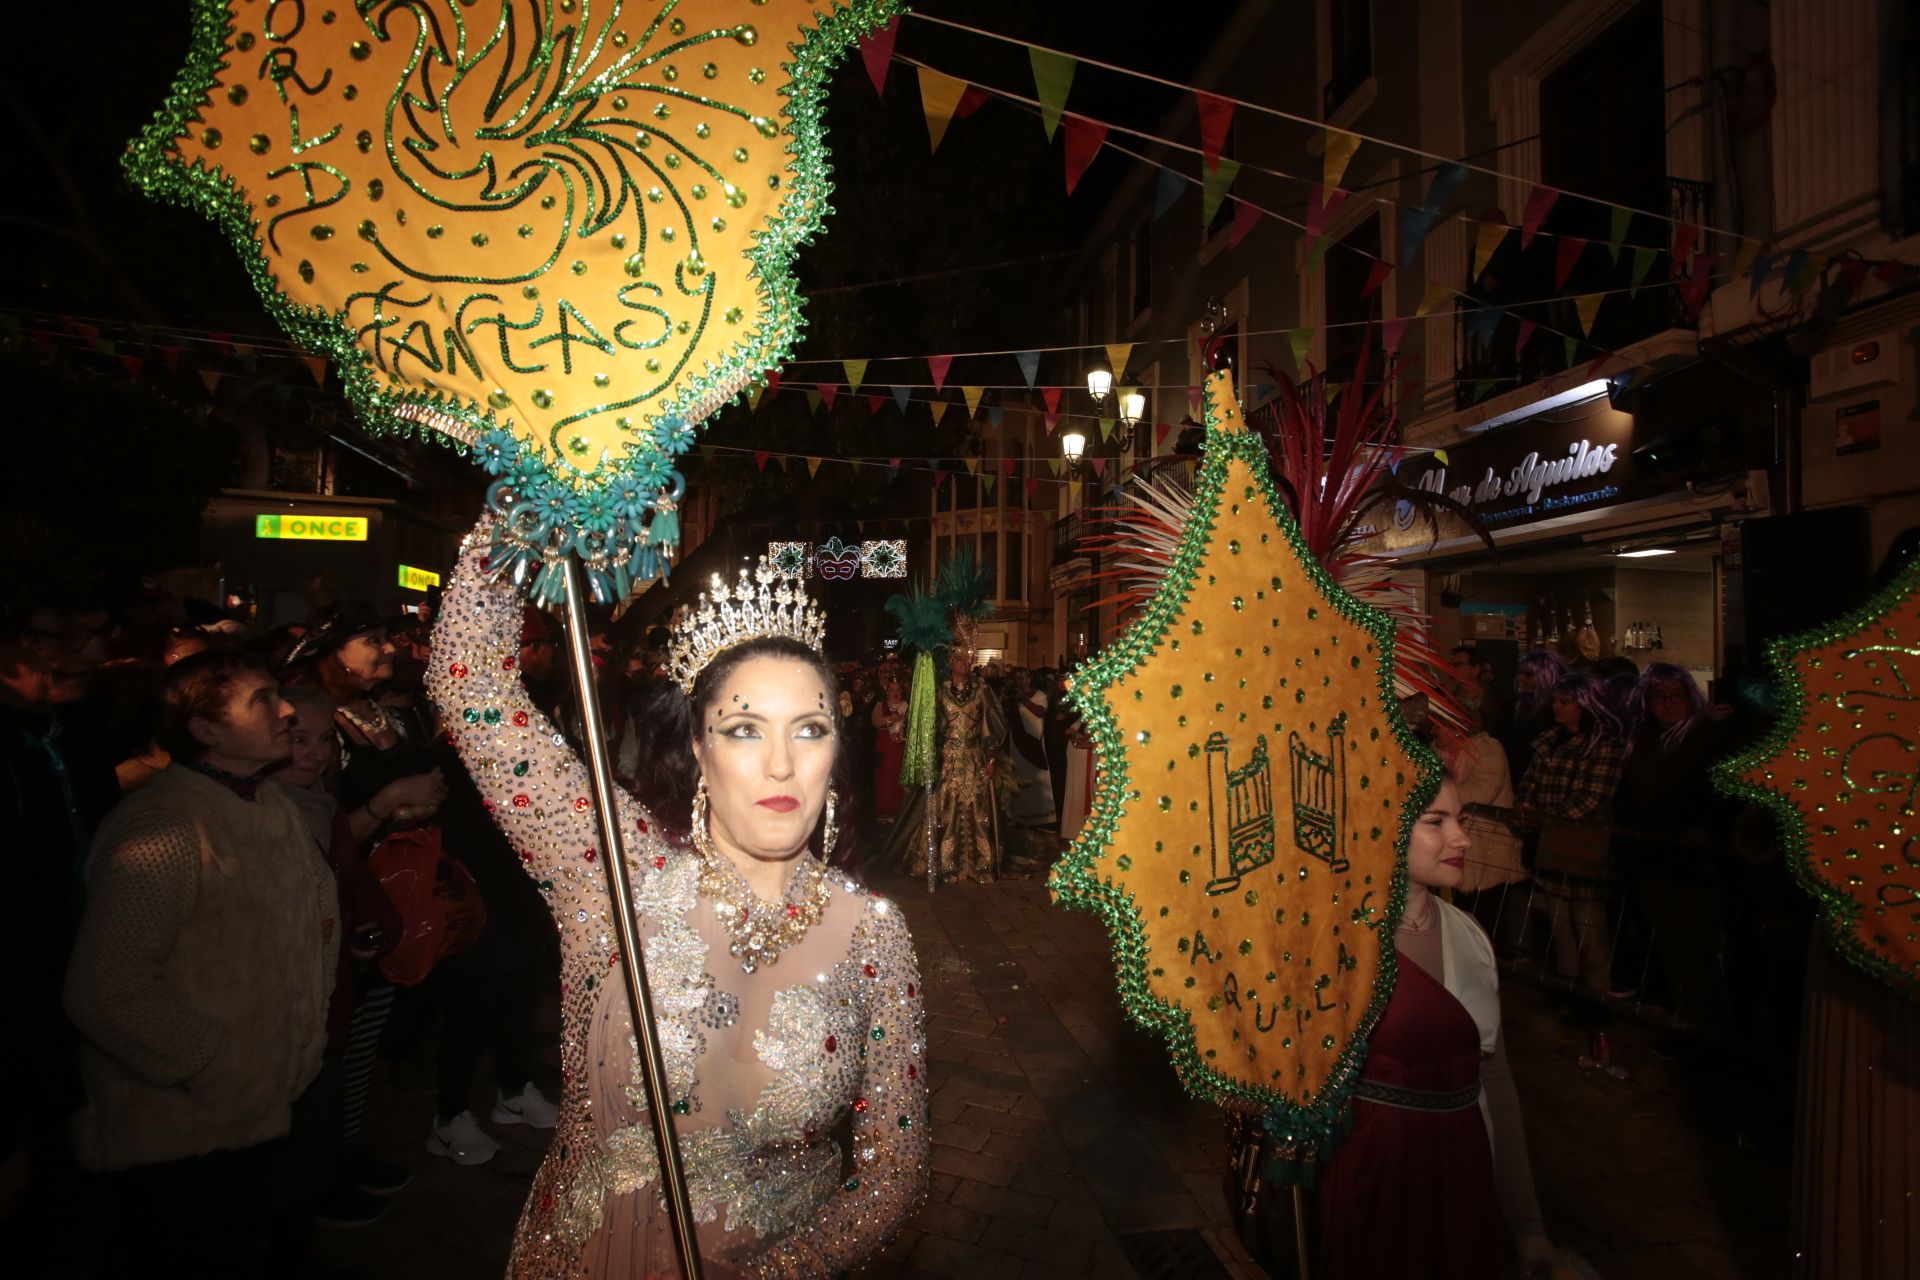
199	984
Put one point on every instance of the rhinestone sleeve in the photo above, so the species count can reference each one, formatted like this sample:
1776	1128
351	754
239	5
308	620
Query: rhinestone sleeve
888	1180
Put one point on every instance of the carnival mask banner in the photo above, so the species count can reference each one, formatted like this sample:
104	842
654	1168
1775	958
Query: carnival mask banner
1256	789
1840	771
555	232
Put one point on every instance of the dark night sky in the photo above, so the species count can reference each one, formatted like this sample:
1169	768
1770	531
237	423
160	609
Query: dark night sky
80	85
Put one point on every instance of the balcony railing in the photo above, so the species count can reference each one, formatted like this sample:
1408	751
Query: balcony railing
1520	286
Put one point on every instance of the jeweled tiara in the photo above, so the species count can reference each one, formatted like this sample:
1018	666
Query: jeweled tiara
764	602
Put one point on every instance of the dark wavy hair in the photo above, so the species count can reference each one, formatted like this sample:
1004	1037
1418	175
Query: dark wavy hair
1597	719
199	688
664	721
1640	719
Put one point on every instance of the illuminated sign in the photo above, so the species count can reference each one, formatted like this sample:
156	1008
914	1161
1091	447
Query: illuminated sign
311	528
418	579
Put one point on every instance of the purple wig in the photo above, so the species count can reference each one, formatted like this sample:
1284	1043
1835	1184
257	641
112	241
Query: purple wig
1597	718
1546	667
1640	716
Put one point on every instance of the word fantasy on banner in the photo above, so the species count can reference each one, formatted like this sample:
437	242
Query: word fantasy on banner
840	562
312	529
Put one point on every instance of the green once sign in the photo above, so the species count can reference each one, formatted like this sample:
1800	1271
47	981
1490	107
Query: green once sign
311	528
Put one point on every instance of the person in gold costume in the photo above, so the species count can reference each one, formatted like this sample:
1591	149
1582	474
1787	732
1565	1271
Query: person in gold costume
966	820
767	1061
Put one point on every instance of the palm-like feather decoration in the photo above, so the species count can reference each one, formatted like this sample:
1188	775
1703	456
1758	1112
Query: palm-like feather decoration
1331	476
557	234
922	616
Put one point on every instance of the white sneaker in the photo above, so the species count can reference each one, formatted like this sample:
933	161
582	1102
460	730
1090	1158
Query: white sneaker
462	1141
529	1107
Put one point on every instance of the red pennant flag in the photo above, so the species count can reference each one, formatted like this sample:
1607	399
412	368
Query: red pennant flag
938	476
1051	397
1084	138
172	356
876	50
1391	331
970	101
828	390
221	341
893	462
1565	257
1099	467
773	382
938	366
1538	202
1693	292
1216	116
760	460
1033	482
874	403
1520	338
1193	400
1376	276
1006	464
1160	430
1321	205
132	365
91	332
1244	218
1685	237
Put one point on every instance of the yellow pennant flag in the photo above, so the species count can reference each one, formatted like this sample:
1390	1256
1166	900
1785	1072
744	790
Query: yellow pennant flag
972	396
856	373
973	466
317	366
1340	149
1118	353
1588	305
813	467
939	96
1491	234
753	397
1073	493
1743	260
1433	297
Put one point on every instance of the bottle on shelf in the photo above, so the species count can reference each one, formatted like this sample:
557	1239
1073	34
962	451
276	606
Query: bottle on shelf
1657	642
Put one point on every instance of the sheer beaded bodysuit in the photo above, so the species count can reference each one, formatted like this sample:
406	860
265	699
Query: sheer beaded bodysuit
767	1069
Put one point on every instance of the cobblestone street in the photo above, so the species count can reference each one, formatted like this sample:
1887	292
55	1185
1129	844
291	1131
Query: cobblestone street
1063	1145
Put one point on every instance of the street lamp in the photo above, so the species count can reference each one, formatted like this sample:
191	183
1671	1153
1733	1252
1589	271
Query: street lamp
1073	445
1133	407
1099	384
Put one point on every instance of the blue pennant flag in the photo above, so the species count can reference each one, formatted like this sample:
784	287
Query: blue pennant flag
1029	366
995	412
902	396
1762	267
1171	184
1483	323
1415	224
1446	180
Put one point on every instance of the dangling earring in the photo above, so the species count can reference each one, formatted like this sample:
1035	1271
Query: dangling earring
829	833
697	830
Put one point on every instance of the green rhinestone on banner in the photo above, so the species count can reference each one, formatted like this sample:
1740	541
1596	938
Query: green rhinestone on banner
471	715
491	715
879	1034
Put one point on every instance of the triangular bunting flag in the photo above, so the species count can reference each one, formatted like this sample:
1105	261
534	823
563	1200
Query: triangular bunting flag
1693	290
996	413
1007	463
973	466
939	95
856	373
1744	256
1099	466
1588	306
1244	218
1539	200
828	390
1446	180
1415	226
989	482
1160	432
1322	202
972	396
1482	323
813	467
1484	245
1216	115
1803	269
971	101
1167	192
1758	273
1118	353
1029	362
938	366
1106	429
1053	465
1052	77
1300	341
1617	235
1214	189
874	402
1050	396
1685	237
1073	494
903	396
1033	482
1316	251
813	400
1566	255
876	50
1642	263
317	366
760	460
211	379
1391	331
1084	138
1521	338
1573	345
1433	297
172	356
1340	148
1376	276
1193	401
132	365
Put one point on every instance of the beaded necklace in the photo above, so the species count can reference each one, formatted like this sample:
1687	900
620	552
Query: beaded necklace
759	930
371	728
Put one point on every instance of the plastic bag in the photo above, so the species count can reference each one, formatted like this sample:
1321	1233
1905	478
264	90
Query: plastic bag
441	913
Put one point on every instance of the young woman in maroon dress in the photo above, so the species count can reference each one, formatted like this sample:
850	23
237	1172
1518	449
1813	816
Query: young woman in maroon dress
1437	1157
889	748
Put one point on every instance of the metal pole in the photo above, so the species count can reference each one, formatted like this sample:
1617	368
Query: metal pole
673	1177
1301	1254
927	827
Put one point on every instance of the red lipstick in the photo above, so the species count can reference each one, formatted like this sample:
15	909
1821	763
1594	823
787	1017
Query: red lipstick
780	804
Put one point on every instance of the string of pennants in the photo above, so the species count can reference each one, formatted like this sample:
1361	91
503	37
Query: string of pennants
1691	265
